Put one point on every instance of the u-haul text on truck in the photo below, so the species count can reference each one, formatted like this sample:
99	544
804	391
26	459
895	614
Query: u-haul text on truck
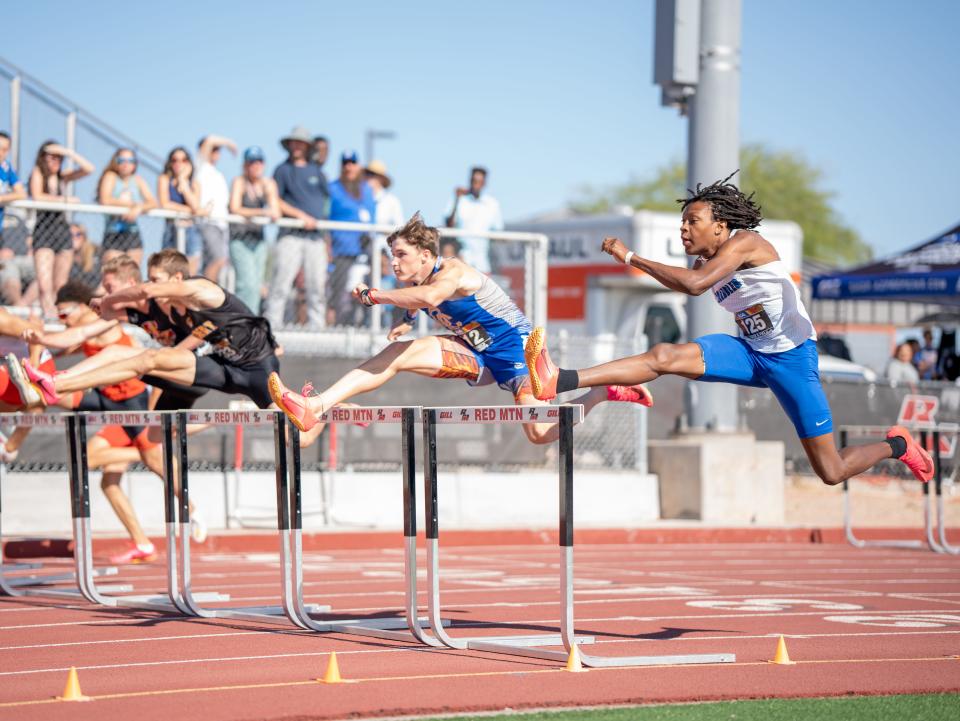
589	293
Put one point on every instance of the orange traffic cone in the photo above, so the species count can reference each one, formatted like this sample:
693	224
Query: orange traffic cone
781	656
332	674
72	692
574	665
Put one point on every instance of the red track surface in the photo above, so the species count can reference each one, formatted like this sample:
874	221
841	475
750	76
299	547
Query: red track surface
856	621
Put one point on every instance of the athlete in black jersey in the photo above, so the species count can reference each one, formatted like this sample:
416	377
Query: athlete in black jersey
243	348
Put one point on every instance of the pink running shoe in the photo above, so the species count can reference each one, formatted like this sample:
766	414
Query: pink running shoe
543	372
292	404
631	394
136	554
307	391
43	382
916	458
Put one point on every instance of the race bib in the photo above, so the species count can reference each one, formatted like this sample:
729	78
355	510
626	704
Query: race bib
754	321
476	335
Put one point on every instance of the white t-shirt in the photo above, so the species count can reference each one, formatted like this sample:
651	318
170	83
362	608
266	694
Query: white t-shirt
389	210
214	193
477	214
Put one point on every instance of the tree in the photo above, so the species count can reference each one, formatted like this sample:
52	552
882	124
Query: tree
786	186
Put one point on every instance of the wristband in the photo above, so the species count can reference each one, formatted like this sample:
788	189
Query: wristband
366	297
627	257
410	317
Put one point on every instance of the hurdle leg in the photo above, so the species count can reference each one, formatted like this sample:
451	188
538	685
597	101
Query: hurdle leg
938	488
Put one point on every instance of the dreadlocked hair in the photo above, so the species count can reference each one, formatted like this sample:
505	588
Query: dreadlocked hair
728	203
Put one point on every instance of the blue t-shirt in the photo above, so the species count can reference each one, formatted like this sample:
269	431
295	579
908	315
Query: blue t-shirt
8	179
345	207
304	187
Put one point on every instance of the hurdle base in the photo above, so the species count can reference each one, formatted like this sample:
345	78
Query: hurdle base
524	641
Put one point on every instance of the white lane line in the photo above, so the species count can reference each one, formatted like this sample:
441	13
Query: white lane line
292	632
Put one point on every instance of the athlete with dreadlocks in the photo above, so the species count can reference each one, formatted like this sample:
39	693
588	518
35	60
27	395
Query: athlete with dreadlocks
775	348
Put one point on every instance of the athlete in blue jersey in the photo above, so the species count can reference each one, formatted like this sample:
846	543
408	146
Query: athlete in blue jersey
485	344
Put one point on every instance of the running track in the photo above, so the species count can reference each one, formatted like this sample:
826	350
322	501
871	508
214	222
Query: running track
856	621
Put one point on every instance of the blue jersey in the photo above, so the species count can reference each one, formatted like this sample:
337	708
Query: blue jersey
492	325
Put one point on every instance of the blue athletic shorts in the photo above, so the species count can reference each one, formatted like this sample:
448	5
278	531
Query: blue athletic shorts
793	376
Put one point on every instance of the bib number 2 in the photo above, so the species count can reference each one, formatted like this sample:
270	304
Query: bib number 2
477	336
754	321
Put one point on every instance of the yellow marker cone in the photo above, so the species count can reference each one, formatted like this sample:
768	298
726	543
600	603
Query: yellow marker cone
72	692
781	656
574	665
332	674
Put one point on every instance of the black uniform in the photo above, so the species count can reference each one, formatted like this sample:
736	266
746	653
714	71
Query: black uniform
243	348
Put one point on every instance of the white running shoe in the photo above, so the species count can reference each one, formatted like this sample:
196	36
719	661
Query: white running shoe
198	527
5	455
28	393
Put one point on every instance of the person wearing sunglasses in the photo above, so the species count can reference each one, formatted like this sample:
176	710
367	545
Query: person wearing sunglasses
178	190
86	257
52	245
120	186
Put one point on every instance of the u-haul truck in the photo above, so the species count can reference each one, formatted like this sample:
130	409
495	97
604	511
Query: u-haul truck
589	293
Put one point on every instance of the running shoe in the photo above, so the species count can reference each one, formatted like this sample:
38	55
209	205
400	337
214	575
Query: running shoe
198	527
292	404
136	554
30	394
631	394
543	372
915	458
41	381
5	455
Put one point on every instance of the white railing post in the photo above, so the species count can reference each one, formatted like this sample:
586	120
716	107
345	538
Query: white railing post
15	123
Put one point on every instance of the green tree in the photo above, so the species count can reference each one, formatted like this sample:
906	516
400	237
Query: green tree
786	186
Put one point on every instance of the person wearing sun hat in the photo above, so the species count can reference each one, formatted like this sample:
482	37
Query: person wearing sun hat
303	193
389	209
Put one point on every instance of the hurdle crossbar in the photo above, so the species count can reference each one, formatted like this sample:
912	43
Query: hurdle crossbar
933	532
567	416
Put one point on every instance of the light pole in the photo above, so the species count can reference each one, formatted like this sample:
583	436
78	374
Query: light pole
373	135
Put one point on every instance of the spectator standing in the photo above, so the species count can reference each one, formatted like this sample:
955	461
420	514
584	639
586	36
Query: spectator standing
178	190
52	244
449	248
121	186
214	202
473	210
321	149
303	193
926	360
252	196
900	369
351	200
86	257
16	265
389	210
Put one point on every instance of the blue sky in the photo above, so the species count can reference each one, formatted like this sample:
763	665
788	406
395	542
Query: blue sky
549	95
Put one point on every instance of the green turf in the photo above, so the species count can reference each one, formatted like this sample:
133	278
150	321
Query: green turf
929	707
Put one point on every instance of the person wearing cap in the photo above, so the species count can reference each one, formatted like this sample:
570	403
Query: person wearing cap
253	196
214	201
351	200
303	194
474	210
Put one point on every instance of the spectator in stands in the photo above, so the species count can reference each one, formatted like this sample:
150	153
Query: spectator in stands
303	192
351	200
86	257
321	150
16	264
926	360
178	190
52	244
214	201
252	196
474	210
121	186
900	369
389	211
449	248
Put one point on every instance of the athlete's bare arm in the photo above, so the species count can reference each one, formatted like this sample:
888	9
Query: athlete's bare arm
746	248
71	337
450	280
194	293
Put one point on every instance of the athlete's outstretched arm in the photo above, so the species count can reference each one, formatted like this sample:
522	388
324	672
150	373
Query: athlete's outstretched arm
692	281
71	336
412	298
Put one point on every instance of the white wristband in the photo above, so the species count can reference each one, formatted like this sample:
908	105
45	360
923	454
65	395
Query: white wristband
627	257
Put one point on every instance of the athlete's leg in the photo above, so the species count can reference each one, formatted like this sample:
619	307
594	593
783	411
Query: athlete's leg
835	466
543	433
110	354
110	484
172	364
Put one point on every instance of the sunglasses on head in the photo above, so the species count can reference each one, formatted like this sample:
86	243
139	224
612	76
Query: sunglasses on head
126	161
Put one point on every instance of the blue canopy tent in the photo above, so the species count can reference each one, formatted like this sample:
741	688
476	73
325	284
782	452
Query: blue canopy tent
928	273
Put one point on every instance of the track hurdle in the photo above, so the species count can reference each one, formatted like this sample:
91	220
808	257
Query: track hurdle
389	628
38	585
934	532
567	416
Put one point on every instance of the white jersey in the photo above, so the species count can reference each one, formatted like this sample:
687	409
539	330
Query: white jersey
767	307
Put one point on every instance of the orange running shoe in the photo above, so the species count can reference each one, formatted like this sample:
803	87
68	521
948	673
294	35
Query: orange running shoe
136	554
543	371
631	394
916	458
292	404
